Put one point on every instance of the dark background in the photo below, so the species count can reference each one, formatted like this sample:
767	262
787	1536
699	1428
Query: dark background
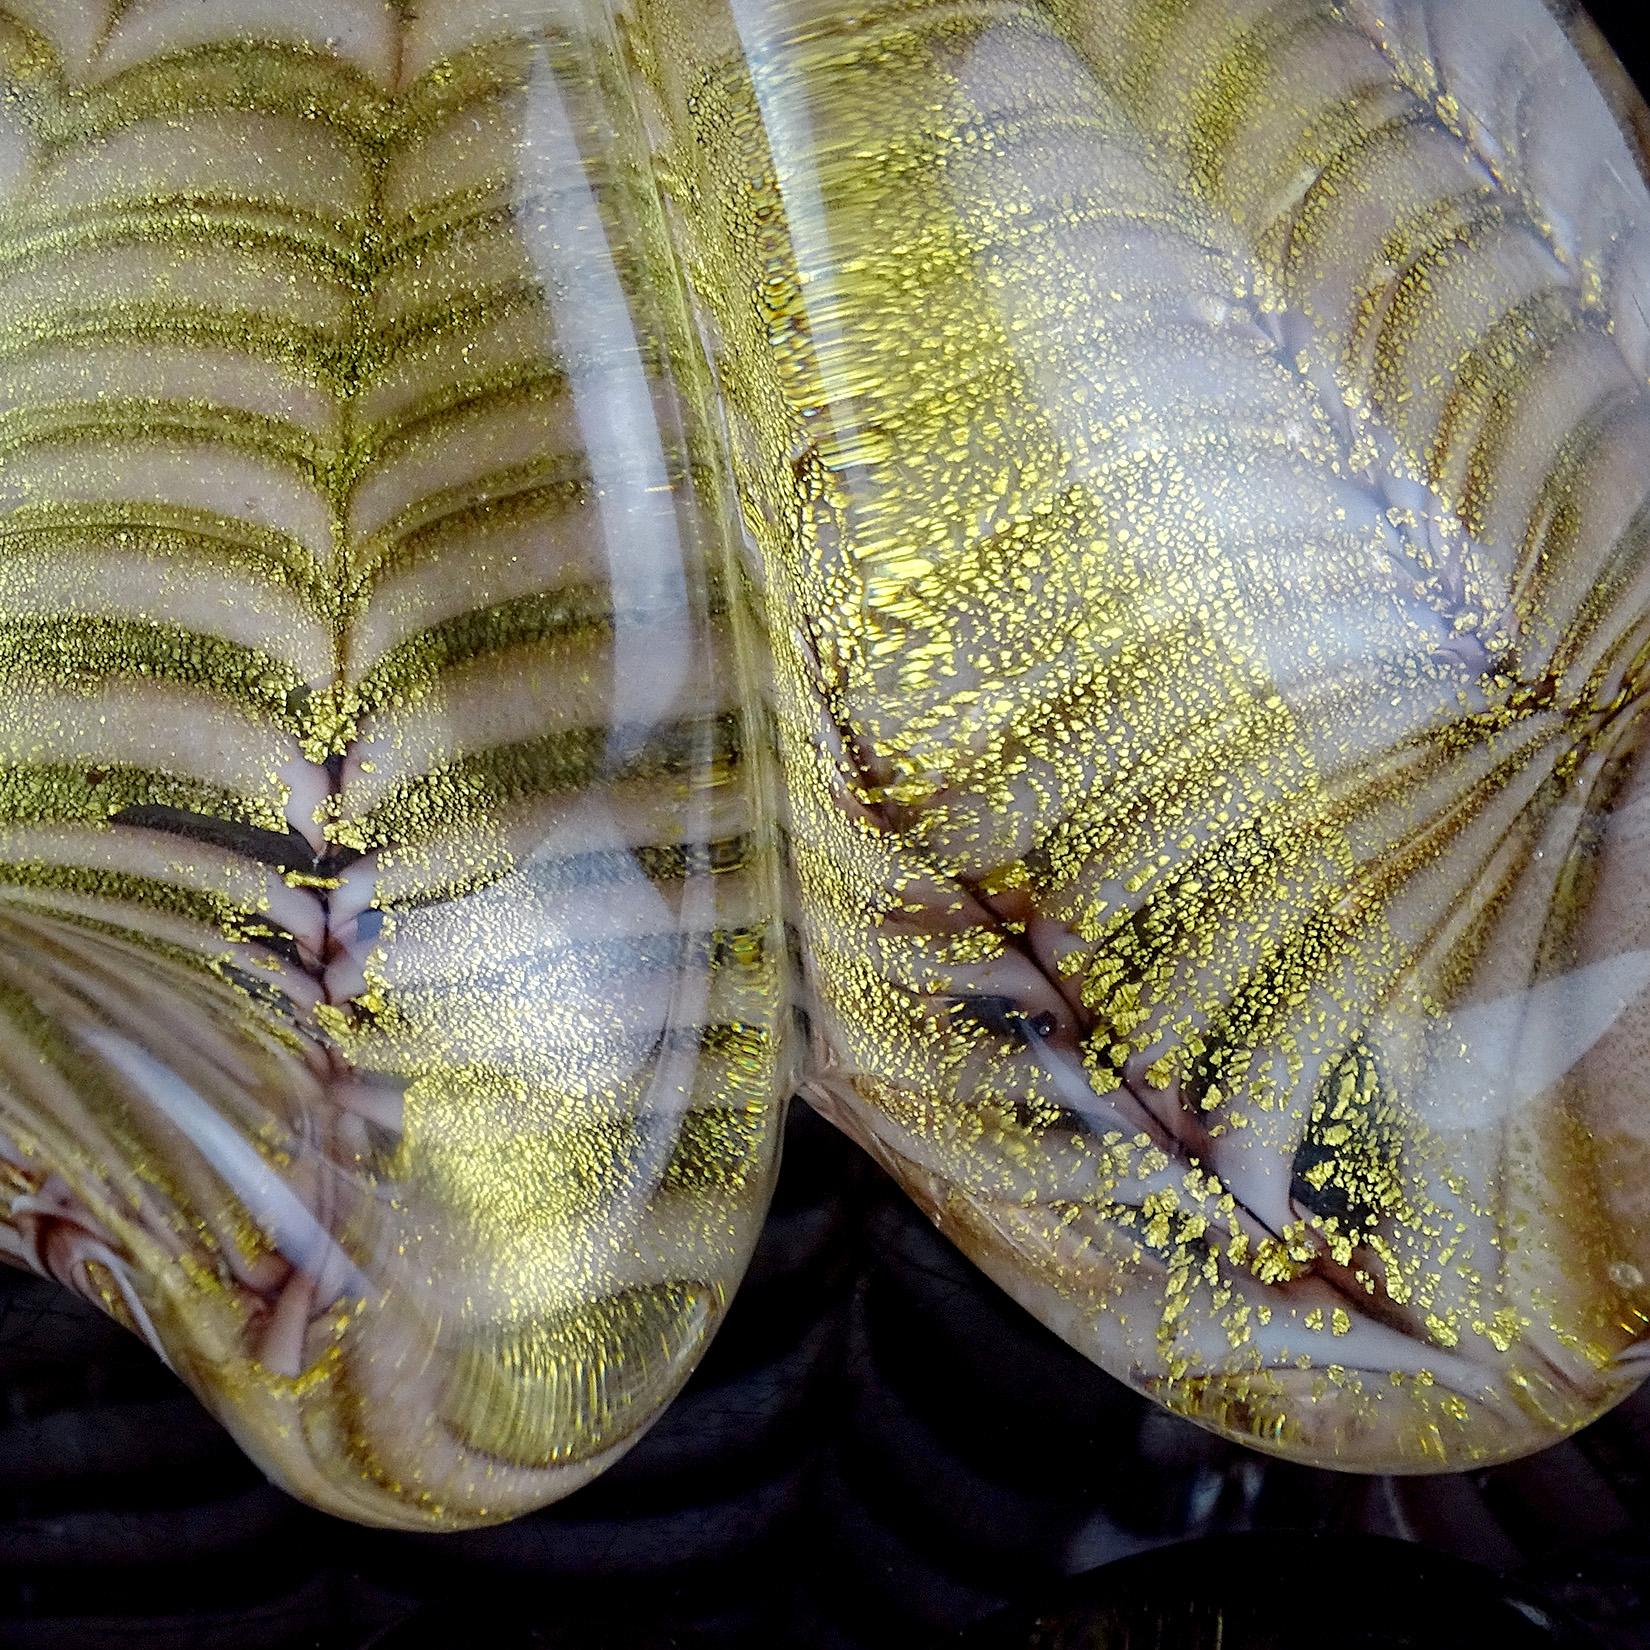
879	1450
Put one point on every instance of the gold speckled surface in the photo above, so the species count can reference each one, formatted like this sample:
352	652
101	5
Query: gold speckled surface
392	972
1123	521
1196	454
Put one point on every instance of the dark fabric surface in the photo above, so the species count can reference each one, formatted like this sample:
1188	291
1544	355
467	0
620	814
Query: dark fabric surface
881	1450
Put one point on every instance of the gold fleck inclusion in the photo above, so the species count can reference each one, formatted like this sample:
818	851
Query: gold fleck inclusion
1199	492
392	969
1187	541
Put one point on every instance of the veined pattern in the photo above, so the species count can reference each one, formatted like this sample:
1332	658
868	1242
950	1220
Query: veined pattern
1189	458
394	1014
1201	450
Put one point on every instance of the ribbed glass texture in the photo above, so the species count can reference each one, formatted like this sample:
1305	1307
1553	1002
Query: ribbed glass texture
1069	579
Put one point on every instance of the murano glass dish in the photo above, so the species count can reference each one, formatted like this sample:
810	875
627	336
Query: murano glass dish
1069	581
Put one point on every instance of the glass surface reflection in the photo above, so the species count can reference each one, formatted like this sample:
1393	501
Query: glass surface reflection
392	950
1195	452
1121	524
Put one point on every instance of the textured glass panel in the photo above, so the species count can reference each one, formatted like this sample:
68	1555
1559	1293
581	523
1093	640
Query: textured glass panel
1197	453
390	965
1120	524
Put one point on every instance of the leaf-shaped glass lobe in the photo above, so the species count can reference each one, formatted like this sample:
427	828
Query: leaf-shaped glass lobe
1197	455
394	1013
